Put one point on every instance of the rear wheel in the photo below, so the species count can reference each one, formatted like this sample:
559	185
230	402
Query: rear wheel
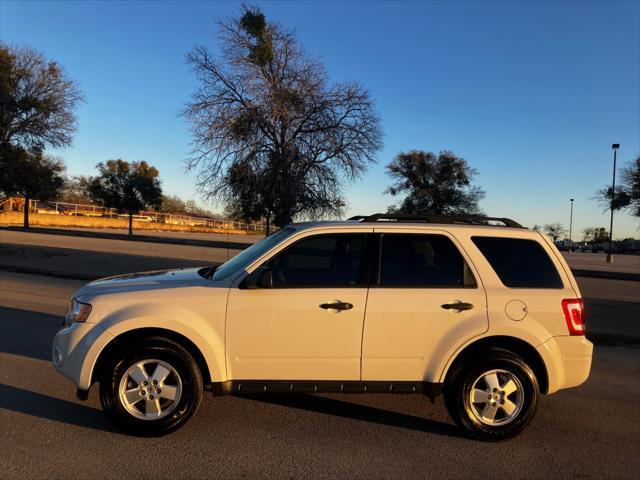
493	397
152	388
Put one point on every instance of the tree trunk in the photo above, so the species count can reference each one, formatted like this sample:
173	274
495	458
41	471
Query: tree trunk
267	225
131	224
26	212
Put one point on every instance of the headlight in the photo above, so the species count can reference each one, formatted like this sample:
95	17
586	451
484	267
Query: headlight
77	312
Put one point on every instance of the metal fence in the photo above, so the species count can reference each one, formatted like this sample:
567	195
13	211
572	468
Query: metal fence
96	211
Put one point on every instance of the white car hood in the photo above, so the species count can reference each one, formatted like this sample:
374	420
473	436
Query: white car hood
133	282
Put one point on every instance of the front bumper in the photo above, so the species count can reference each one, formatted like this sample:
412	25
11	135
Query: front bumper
75	350
568	361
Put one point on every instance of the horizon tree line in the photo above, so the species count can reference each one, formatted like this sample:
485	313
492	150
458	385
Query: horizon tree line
274	138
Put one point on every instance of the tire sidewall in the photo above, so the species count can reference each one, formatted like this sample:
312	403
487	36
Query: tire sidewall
191	395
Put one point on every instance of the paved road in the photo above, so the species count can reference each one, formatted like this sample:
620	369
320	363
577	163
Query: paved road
613	310
88	257
248	238
589	432
598	261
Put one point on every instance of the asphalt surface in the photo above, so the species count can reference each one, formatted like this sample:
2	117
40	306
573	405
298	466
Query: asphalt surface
592	431
613	310
82	257
629	264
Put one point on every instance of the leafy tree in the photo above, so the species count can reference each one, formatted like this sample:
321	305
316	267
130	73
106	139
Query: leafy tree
37	100
588	234
601	235
595	235
76	190
173	204
31	174
555	231
37	103
536	228
272	135
435	184
127	187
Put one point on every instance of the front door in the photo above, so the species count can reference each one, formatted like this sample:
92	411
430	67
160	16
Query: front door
425	301
308	324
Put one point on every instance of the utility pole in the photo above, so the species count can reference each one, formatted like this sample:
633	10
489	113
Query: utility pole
571	227
615	148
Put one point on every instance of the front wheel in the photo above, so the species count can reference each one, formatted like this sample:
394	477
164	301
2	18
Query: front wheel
493	397
152	388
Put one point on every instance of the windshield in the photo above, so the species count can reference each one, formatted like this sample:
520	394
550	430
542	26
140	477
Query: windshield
248	256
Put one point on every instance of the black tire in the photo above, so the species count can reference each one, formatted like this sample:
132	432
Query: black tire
164	350
461	409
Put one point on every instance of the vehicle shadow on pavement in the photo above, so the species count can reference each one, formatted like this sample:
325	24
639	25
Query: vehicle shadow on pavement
28	333
51	408
340	408
613	322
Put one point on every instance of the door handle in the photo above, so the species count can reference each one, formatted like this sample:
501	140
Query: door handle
459	306
336	306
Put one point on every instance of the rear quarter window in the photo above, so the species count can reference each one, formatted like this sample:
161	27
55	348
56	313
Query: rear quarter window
519	263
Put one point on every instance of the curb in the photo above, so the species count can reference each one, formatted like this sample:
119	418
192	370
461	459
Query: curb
606	275
194	242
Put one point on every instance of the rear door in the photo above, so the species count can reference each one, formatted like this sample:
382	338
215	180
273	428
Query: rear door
427	297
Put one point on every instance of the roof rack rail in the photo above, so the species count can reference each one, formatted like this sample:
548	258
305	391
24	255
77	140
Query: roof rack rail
447	219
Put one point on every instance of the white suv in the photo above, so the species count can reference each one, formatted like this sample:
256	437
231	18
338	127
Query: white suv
488	315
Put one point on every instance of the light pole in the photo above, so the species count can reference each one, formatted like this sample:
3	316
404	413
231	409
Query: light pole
615	148
571	227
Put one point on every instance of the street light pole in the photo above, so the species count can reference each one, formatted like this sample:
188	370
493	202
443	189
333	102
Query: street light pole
615	148
571	227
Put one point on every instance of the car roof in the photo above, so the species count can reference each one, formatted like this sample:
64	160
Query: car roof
406	225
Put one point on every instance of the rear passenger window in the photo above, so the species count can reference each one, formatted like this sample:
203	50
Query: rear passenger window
519	263
422	261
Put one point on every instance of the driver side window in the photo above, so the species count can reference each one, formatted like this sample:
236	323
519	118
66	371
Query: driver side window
322	260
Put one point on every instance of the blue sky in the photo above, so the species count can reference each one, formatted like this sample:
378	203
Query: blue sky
532	94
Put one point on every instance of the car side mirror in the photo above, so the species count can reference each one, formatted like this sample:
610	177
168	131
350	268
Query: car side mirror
259	278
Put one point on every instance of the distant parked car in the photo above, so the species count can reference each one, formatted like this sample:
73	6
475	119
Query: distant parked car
491	316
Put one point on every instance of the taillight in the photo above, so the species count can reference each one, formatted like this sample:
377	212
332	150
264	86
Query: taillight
573	309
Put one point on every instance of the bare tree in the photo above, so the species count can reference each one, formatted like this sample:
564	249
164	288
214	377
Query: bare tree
555	231
627	194
435	184
272	137
631	184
